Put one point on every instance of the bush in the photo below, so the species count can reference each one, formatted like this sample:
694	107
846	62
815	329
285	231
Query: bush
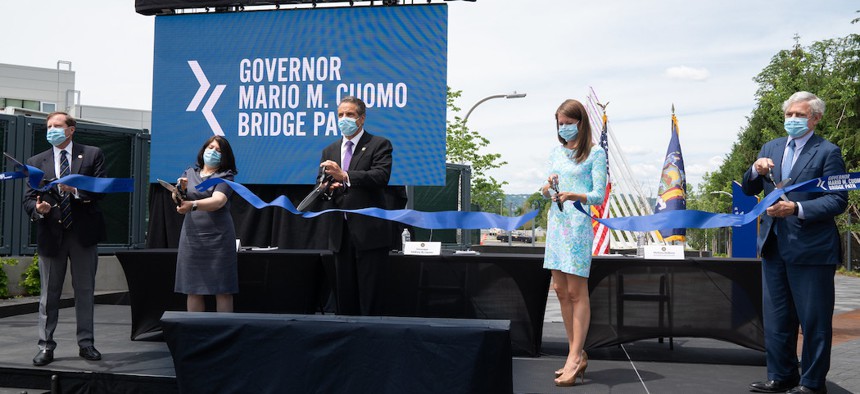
4	279
30	281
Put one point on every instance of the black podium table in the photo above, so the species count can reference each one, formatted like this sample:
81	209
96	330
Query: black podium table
270	281
272	353
488	286
633	298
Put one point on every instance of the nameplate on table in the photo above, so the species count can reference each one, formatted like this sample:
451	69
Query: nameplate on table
422	248
664	252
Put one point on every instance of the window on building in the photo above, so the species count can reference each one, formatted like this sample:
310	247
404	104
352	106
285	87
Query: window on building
48	107
30	104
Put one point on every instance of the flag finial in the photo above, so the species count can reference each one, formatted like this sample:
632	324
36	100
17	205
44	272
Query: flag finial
673	108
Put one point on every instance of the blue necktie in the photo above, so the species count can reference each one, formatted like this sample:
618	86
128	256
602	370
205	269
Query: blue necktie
66	203
787	160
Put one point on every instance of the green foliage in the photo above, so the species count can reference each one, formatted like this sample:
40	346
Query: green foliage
30	281
541	203
4	279
844	271
827	68
463	146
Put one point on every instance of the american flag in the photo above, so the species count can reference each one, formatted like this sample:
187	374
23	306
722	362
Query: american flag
601	232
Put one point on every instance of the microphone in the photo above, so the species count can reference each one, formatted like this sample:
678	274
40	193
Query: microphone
553	191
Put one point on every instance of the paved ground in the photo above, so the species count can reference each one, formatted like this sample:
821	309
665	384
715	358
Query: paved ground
845	358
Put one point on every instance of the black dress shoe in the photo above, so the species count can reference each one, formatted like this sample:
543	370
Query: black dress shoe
807	390
90	353
772	386
44	357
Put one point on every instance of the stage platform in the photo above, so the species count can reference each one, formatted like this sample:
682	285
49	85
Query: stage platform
145	366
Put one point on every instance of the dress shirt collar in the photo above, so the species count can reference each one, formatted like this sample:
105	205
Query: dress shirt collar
799	143
354	140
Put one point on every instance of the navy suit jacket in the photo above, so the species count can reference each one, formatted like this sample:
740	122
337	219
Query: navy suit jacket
369	172
814	239
87	219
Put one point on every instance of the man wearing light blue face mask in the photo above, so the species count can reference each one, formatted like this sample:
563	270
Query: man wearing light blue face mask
69	226
800	249
360	164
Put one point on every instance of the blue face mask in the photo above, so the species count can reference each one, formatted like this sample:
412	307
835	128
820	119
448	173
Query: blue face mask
347	126
56	136
796	127
568	132
212	158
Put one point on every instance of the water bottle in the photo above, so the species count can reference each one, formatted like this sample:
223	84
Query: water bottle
404	238
640	245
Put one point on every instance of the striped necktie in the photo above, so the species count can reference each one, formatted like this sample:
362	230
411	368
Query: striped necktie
66	203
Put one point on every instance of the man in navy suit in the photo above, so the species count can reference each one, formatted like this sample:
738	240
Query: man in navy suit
69	226
800	249
360	164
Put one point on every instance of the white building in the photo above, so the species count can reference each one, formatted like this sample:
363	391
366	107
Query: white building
48	90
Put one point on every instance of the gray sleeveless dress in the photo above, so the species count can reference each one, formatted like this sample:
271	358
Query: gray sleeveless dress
206	263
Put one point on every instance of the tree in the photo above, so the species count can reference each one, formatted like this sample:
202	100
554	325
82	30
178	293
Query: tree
463	146
828	68
541	203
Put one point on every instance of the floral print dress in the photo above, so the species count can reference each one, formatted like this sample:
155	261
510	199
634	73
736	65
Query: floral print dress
569	233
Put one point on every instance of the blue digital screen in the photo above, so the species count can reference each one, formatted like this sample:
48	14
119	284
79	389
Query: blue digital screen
270	82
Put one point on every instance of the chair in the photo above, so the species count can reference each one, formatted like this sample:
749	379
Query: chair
663	297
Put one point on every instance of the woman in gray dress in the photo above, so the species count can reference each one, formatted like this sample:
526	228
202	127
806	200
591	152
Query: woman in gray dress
206	262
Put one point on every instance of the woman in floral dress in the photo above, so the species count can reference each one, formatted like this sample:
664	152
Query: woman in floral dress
577	169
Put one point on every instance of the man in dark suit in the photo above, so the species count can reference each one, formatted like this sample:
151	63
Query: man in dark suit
800	249
360	164
69	227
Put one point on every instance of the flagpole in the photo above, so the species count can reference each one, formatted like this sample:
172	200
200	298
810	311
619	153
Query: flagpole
600	244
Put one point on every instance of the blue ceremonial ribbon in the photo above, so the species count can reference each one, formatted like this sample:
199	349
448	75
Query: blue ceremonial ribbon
12	175
428	220
702	219
91	184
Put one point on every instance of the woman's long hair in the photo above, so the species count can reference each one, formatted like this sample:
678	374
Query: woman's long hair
574	109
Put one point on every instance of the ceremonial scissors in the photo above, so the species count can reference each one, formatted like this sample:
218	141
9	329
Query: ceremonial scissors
778	185
176	192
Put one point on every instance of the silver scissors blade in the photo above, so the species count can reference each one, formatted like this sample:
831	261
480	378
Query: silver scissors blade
310	198
169	186
778	185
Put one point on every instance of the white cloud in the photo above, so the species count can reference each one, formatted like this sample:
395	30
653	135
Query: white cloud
684	72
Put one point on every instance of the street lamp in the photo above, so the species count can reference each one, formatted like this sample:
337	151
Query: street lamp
495	96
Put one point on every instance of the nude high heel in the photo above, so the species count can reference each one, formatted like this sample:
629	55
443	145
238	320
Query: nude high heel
579	372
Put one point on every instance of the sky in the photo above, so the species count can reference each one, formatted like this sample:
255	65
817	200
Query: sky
640	56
